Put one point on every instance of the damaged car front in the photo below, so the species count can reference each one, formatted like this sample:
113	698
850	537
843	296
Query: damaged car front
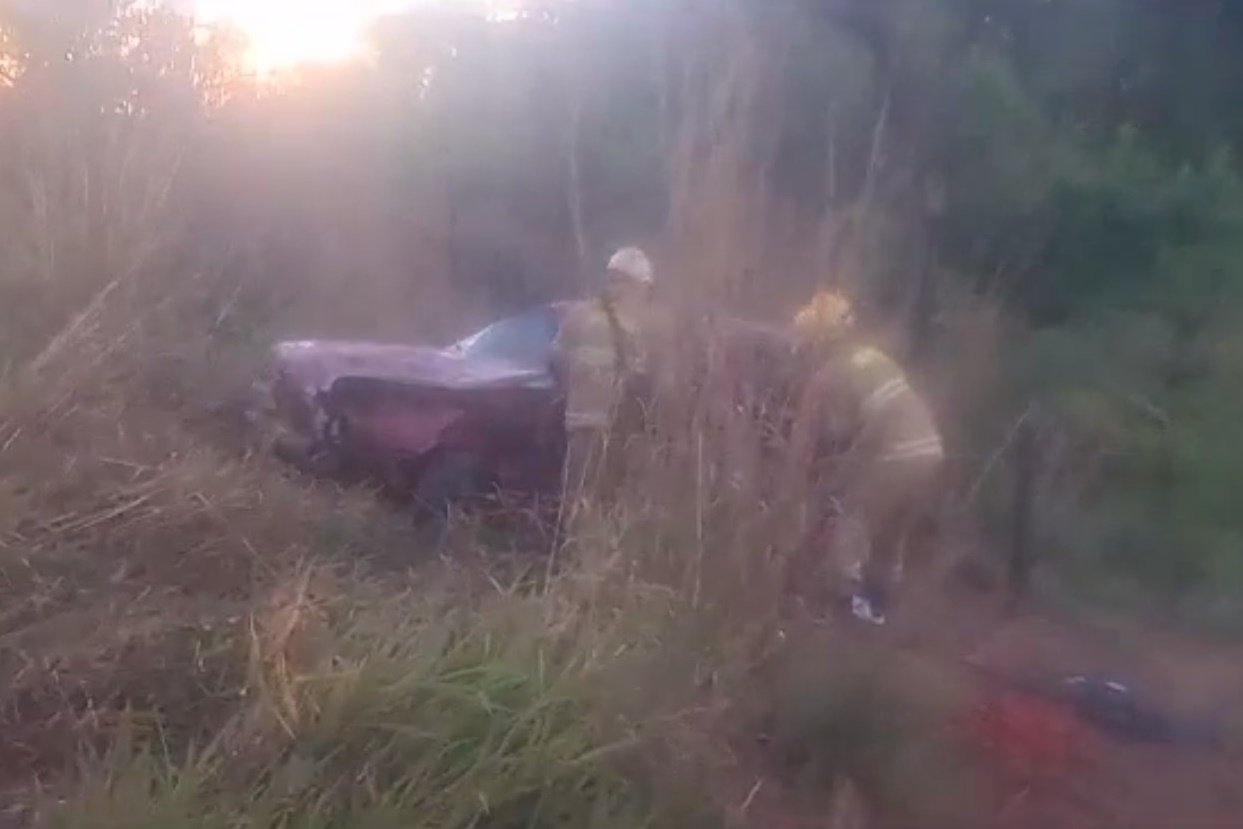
441	423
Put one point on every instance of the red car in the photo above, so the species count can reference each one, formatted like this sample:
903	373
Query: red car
485	414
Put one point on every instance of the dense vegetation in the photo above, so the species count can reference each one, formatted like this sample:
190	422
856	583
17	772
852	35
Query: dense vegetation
1038	205
1052	182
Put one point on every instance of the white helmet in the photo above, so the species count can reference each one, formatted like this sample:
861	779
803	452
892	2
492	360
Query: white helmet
633	262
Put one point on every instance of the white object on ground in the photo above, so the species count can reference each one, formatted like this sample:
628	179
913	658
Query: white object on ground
862	610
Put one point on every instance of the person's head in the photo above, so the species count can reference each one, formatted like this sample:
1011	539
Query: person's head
629	275
827	320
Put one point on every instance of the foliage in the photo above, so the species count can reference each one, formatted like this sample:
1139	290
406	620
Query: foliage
1049	188
416	710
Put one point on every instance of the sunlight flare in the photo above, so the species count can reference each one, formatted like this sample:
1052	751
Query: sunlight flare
284	34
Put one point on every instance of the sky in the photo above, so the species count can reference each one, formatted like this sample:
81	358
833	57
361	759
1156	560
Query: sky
282	34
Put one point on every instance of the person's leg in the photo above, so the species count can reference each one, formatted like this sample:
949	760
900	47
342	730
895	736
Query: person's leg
843	535
610	469
898	498
828	566
627	426
888	517
582	461
595	462
923	488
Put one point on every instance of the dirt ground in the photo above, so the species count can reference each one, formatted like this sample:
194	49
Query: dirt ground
1104	783
1124	785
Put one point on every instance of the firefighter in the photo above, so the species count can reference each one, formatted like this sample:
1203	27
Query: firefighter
599	355
893	452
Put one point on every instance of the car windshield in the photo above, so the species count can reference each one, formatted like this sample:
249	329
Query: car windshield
524	338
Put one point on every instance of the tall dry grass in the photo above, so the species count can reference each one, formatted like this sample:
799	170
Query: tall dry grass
193	638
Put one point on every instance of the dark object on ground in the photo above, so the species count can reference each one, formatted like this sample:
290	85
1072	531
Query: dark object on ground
1117	711
1113	708
438	425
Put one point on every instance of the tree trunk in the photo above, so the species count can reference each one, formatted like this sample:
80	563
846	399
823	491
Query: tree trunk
923	305
1027	463
574	183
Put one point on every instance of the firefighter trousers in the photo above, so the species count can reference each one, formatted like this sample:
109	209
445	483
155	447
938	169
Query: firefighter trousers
878	514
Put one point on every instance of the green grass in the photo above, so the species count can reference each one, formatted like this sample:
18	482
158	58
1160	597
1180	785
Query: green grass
412	711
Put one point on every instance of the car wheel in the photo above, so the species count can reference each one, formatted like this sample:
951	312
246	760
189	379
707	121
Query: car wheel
448	478
308	457
291	450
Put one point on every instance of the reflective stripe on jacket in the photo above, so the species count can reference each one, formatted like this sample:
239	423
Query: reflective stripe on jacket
890	409
594	349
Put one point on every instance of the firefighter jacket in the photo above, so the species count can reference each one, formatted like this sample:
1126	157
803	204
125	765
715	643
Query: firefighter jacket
598	347
870	398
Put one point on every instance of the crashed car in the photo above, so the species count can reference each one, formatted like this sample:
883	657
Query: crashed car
483	415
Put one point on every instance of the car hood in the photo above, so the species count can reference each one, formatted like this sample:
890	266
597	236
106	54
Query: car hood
317	364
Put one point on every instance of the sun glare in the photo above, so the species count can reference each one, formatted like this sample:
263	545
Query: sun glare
283	34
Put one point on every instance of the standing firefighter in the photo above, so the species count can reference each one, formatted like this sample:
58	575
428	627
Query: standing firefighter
895	450
599	356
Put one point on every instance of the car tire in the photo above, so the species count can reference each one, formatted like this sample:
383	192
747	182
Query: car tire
306	456
447	479
291	450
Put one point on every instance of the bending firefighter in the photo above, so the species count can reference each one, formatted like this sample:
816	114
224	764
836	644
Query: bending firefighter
599	356
895	451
